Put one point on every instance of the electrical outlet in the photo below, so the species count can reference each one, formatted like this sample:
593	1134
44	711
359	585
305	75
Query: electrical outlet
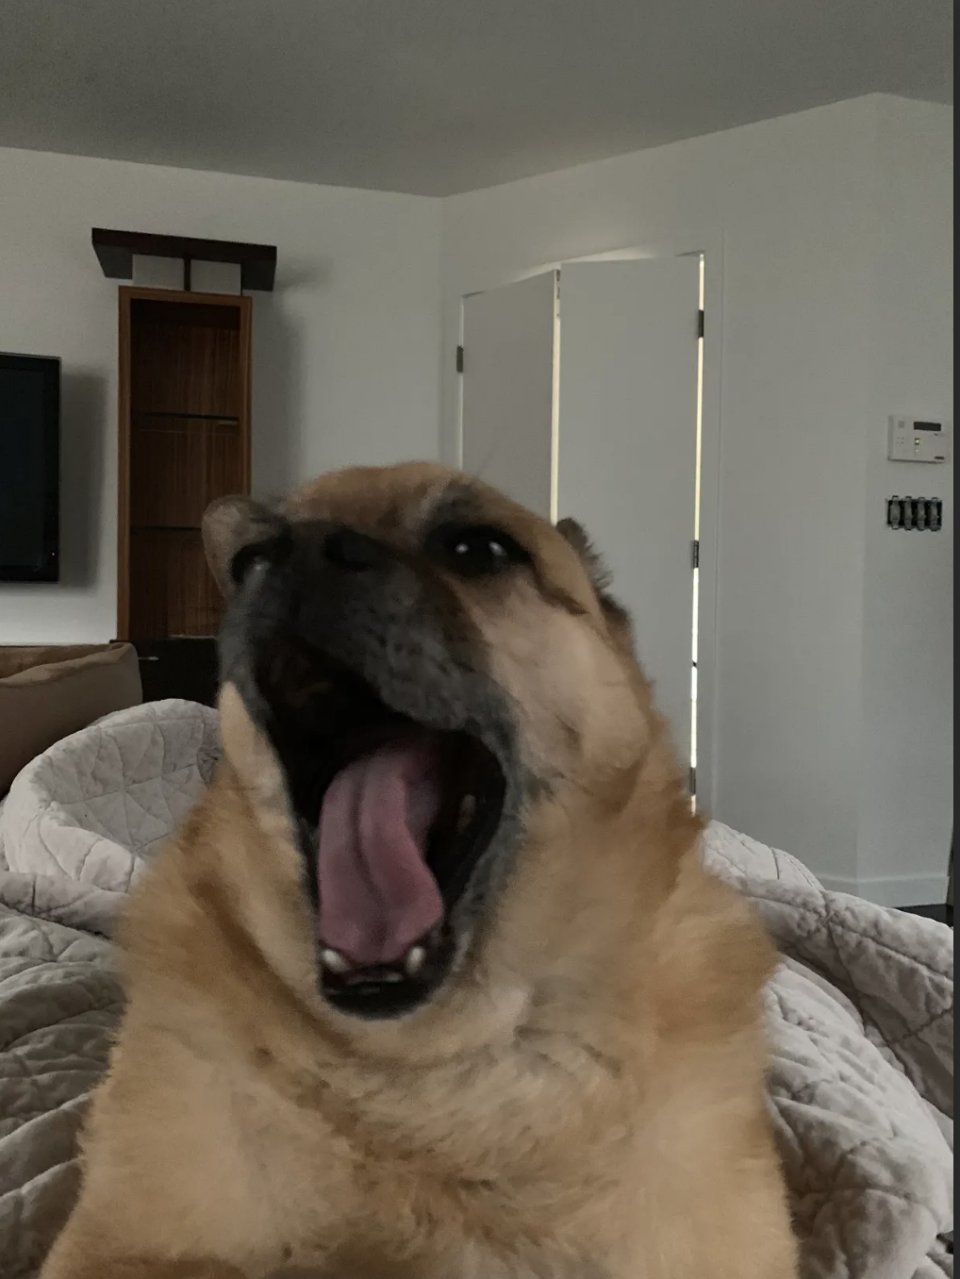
925	514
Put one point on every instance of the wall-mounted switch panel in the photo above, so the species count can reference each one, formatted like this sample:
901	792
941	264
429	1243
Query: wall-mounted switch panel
920	440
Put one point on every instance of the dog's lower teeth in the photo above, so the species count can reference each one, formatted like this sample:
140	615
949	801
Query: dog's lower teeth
334	961
392	976
414	960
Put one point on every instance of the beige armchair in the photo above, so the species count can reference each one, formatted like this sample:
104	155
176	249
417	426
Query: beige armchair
48	693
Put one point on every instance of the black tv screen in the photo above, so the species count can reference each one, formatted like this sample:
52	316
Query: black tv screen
29	468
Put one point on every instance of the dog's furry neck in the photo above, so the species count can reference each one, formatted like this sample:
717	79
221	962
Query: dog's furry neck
556	1018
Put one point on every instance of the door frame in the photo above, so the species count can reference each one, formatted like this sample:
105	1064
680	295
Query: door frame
710	245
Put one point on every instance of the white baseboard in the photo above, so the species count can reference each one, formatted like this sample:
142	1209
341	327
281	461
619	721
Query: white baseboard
892	890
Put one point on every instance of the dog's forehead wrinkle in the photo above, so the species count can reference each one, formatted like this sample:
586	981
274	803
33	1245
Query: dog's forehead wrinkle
428	506
456	502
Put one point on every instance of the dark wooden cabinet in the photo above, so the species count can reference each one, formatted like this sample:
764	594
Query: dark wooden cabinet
184	418
184	668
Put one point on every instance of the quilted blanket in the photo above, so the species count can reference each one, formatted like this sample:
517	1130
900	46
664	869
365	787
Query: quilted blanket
59	1004
860	1010
860	1022
82	819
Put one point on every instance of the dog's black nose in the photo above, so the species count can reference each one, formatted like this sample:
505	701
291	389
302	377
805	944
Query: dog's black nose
348	549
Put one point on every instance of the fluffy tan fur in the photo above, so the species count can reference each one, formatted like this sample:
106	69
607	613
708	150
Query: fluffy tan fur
584	1102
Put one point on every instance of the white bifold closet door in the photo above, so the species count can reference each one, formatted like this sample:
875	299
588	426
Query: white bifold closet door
627	466
596	417
508	389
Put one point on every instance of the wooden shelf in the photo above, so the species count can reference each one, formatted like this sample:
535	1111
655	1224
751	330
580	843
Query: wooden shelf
165	528
115	250
221	419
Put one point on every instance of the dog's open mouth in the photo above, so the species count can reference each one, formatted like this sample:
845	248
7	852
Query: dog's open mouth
394	817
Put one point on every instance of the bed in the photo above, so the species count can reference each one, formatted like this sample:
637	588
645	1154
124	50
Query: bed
859	1012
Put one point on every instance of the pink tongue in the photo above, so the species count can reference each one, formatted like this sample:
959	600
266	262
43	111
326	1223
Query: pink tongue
377	897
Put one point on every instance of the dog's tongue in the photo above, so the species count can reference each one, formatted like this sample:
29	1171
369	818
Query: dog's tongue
377	896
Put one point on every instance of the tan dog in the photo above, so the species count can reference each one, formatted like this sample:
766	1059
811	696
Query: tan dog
431	984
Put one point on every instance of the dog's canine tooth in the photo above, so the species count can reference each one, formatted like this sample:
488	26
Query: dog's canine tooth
468	807
333	960
414	960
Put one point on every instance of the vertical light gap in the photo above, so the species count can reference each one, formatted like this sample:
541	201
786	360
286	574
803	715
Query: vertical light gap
460	335
555	406
695	611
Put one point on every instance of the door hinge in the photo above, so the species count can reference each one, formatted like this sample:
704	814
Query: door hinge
699	324
459	359
695	553
693	781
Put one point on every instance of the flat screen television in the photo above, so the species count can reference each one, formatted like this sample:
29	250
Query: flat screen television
29	468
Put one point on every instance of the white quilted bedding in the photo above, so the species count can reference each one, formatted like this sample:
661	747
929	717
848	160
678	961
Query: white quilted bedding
860	1011
82	818
860	1021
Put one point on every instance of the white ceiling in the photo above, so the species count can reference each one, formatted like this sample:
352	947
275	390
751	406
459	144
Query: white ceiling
439	96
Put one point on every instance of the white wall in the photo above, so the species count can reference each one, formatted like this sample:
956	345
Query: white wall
345	351
784	213
906	803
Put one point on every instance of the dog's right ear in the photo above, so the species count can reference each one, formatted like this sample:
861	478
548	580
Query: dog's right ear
573	532
617	616
236	532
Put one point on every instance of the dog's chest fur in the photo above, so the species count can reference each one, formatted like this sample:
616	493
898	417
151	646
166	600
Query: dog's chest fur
364	1204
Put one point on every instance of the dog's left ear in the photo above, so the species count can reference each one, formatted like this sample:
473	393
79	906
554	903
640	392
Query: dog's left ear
237	531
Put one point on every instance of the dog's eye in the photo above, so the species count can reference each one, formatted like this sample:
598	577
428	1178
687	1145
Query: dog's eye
479	550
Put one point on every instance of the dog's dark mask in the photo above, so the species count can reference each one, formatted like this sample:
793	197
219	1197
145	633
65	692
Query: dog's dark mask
398	750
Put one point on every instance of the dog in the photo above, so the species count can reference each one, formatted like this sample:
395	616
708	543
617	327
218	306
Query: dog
431	983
